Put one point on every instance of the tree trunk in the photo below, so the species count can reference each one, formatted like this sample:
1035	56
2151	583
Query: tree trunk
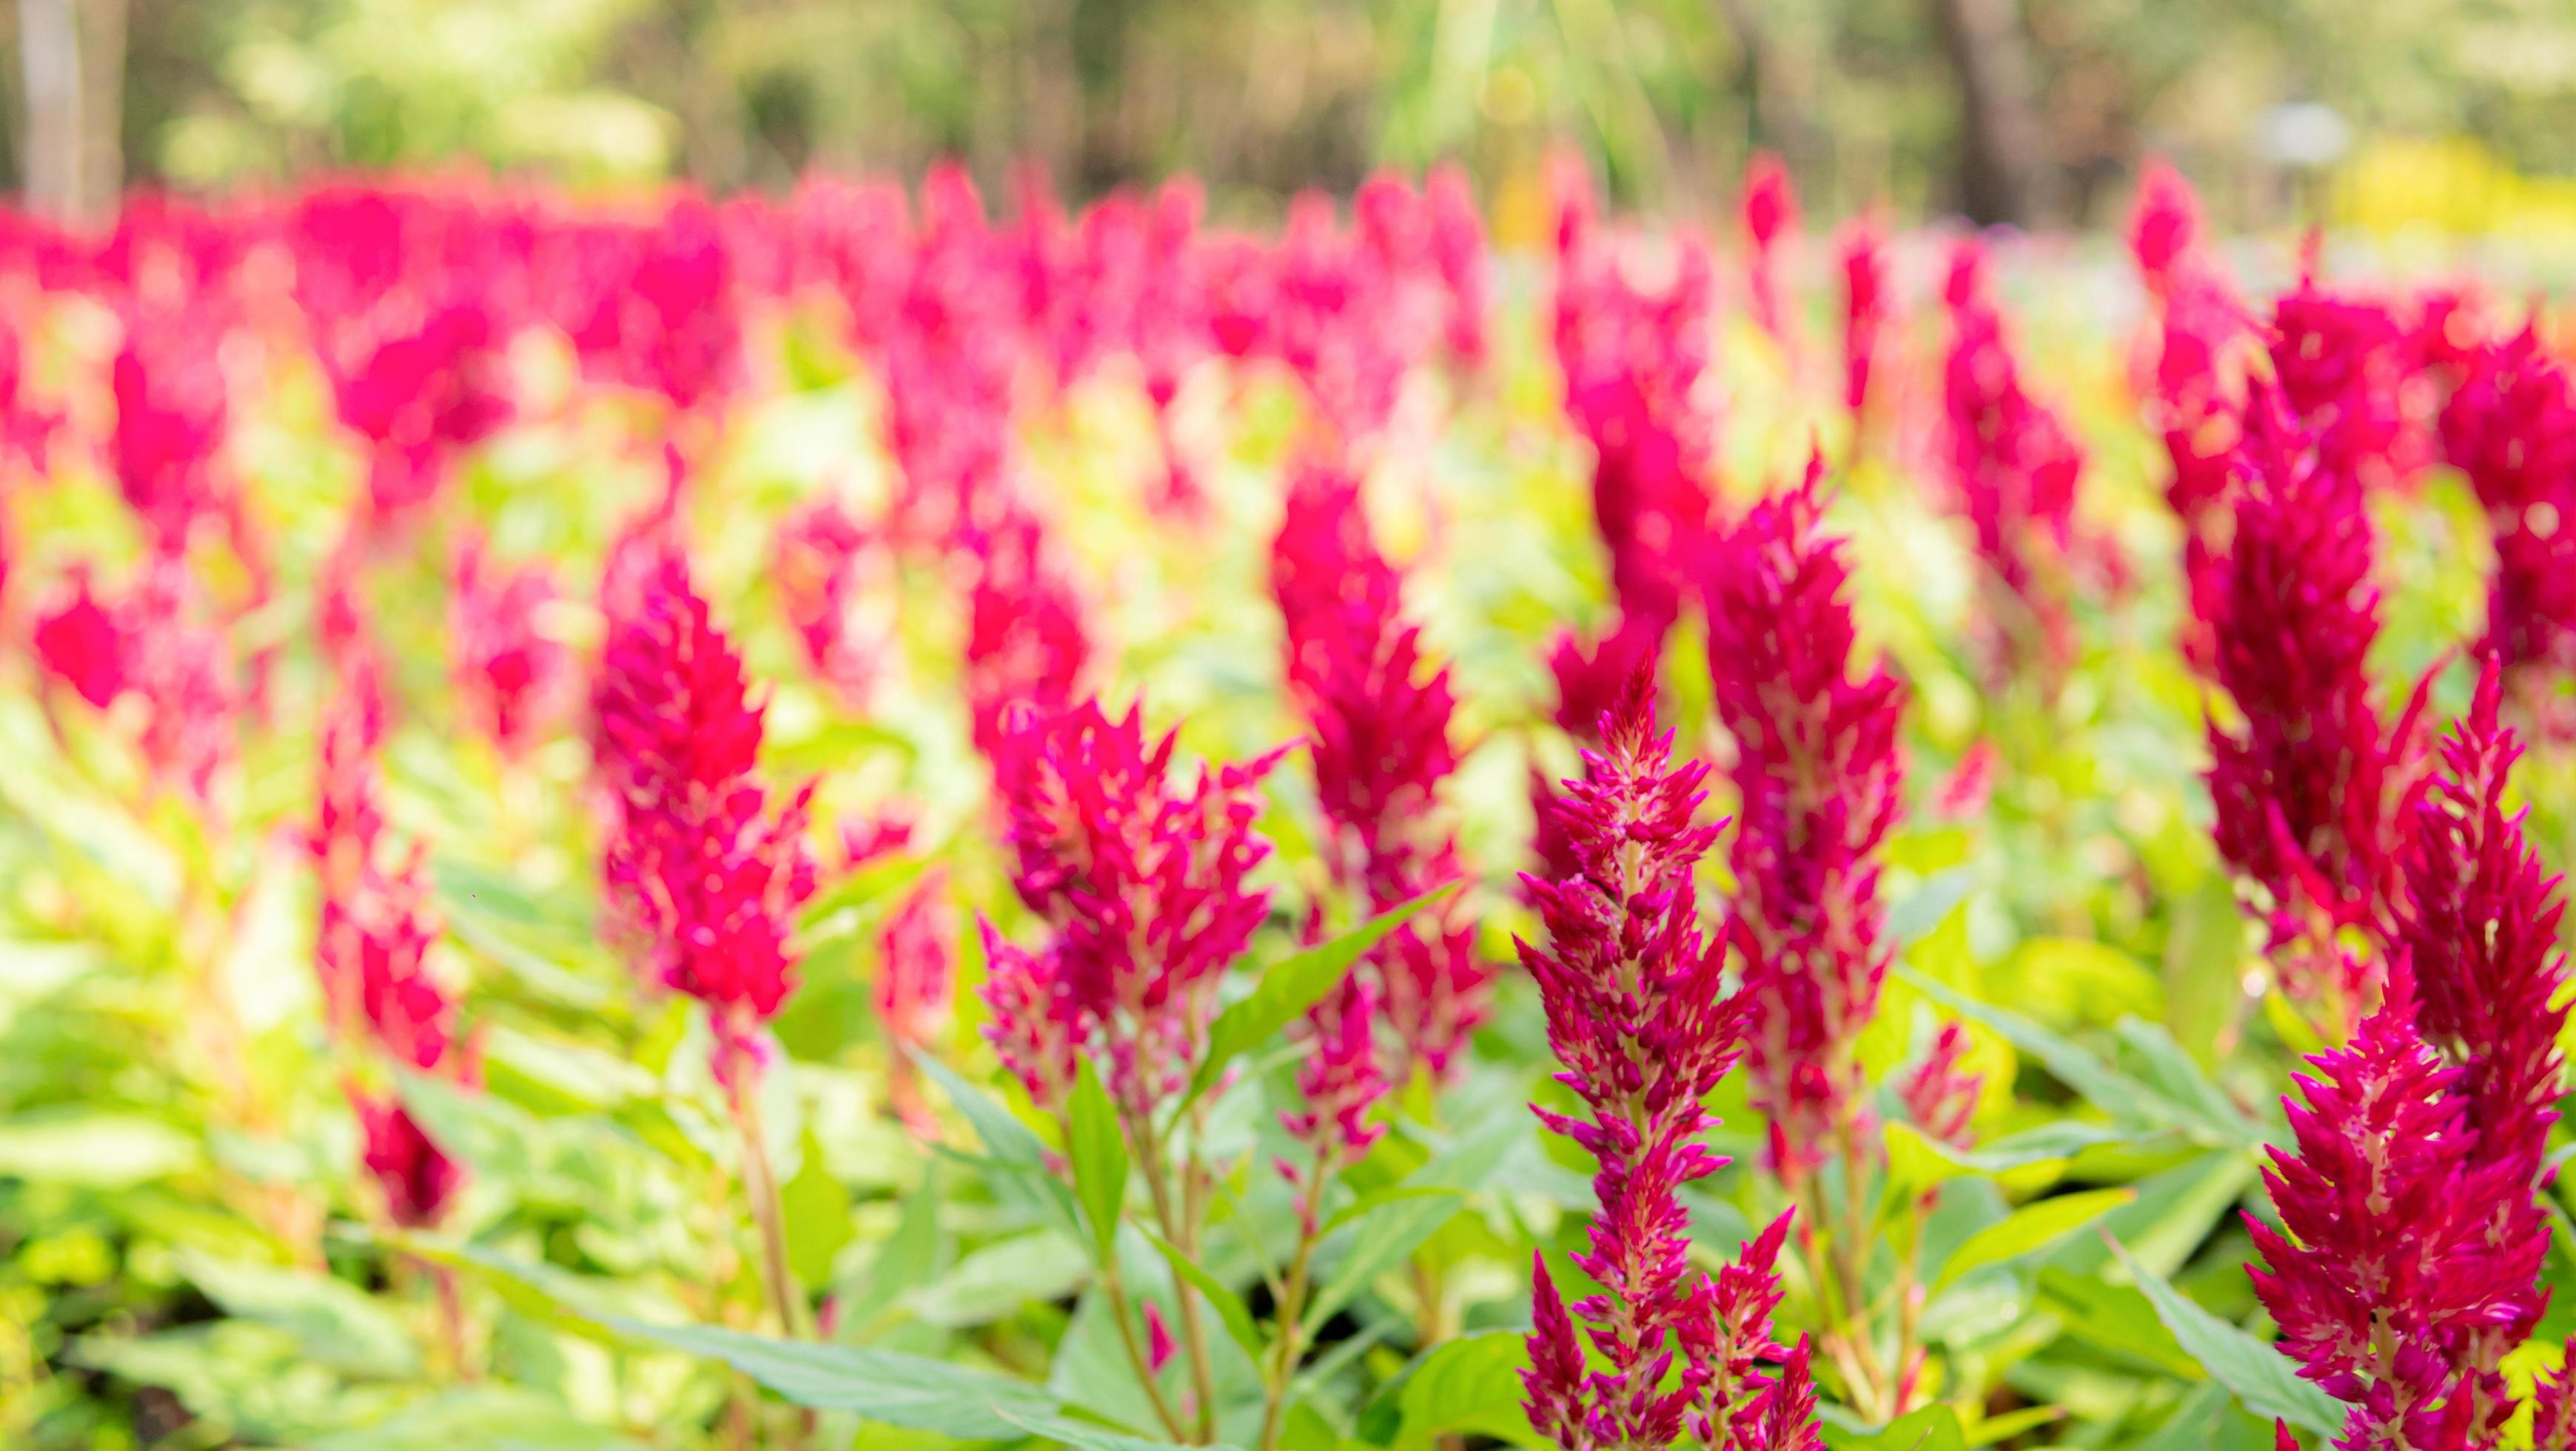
49	51
2004	171
102	71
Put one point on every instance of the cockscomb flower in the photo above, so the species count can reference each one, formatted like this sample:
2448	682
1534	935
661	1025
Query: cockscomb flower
1142	878
2341	363
1770	215
1820	779
1379	738
823	567
2015	468
154	643
2164	226
1027	642
1868	306
2553	1419
81	644
2388	1277
1638	1015
1940	1095
170	416
2511	427
2308	787
661	312
421	396
512	675
915	979
1458	250
2478	923
1340	1081
709	873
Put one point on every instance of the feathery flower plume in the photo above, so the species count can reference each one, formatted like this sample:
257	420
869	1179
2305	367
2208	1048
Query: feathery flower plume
1142	879
824	569
1868	306
2342	362
915	979
1458	251
709	875
1770	216
2164	227
1820	779
1638	1016
1026	640
2511	427
512	676
170	418
1379	733
2308	788
2391	1287
2015	469
1340	1081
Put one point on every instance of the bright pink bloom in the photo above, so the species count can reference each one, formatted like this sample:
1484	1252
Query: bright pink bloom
2015	468
1379	736
824	567
2553	1421
170	415
1458	250
1027	642
2392	1285
1638	1016
512	676
1868	307
1340	1081
2342	363
709	873
2308	789
654	308
1940	1095
2511	427
915	979
1770	216
82	645
1820	777
1159	1346
2164	226
1142	880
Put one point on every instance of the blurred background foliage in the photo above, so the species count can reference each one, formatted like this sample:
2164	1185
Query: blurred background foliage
2379	113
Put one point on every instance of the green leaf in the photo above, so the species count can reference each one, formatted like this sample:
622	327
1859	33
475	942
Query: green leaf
1293	984
911	1391
486	1418
1933	1428
1018	1162
2028	1228
817	1209
94	1150
2260	1376
337	1324
916	1254
997	1279
1396	1229
1371	1202
1470	1386
1229	1306
1918	1162
2115	1318
1099	1151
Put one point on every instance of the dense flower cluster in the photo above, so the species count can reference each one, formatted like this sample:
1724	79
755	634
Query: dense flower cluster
1820	780
1379	737
1638	1016
706	873
2511	427
2015	468
512	675
2343	363
1142	881
2308	787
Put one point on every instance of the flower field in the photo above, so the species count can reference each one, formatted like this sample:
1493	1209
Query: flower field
880	819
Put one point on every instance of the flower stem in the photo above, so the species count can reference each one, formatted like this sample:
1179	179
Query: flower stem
760	1185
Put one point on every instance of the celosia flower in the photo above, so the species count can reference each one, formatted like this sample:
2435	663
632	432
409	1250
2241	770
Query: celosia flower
1867	309
82	645
1770	215
2478	923
1379	738
914	981
2015	469
1142	880
170	415
2307	790
1026	639
1820	779
822	568
2342	363
660	312
155	644
2164	226
420	396
2553	1419
1638	1016
2511	427
2402	1260
1340	1081
1941	1096
710	874
511	674
1458	250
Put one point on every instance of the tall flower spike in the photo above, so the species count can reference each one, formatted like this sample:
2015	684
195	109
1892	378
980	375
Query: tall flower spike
1638	1016
710	873
2511	427
2308	789
1379	733
1820	779
511	674
1770	217
1867	309
2385	1278
915	979
1143	880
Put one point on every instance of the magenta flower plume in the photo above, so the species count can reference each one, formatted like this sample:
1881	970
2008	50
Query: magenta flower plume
708	874
2164	227
2389	1282
170	419
824	568
81	643
916	978
513	677
659	312
2342	363
1458	251
2553	1419
2014	467
1340	1081
1027	641
1820	778
153	643
1379	737
1770	208
1143	880
1868	307
2307	789
1940	1095
2511	427
2478	923
1638	1016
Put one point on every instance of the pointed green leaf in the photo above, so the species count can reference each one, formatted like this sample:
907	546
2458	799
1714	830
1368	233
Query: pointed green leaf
2261	1376
1293	984
2028	1228
1099	1152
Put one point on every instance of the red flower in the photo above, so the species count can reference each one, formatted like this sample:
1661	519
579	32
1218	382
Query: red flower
511	674
82	645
